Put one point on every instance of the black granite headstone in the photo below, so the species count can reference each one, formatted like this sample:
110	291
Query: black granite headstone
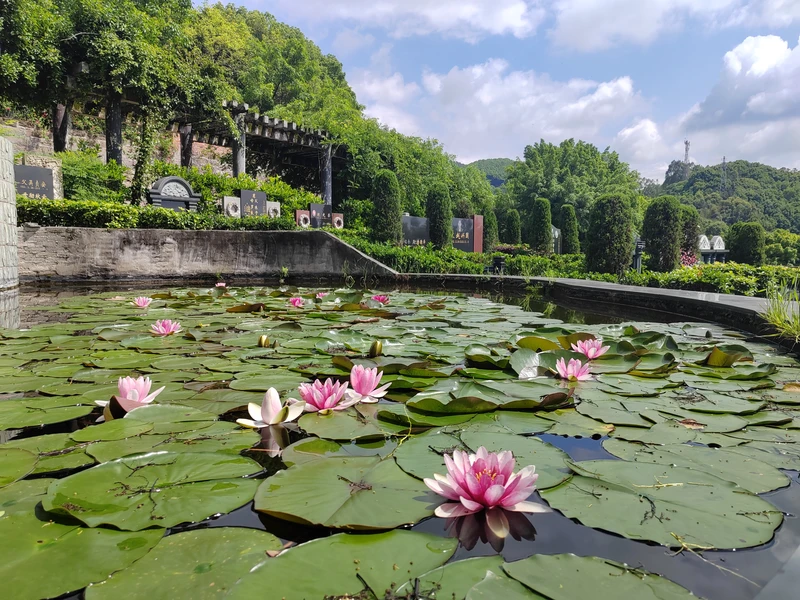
254	204
463	234
174	193
415	231
33	182
321	215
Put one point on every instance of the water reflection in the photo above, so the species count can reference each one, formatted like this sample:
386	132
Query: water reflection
491	527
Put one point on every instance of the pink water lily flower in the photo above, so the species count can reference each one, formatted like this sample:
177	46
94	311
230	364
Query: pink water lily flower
271	411
591	348
166	327
381	298
321	295
142	302
325	397
484	480
364	384
133	393
575	370
221	284
297	302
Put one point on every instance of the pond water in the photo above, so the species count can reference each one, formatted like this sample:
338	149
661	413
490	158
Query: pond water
674	464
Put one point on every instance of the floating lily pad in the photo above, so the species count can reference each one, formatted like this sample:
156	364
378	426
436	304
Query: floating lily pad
201	564
15	463
55	452
494	586
345	565
664	504
118	429
454	579
349	424
33	412
347	493
159	489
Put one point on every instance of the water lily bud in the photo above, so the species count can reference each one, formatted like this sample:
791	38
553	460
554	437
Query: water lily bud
376	349
263	342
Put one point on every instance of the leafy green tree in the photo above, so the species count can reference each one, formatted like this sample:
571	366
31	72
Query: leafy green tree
440	216
747	243
610	235
690	229
490	237
662	234
494	168
540	227
387	223
513	227
570	243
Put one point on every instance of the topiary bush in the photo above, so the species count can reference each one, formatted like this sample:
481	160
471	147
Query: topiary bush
662	234
490	237
440	216
570	243
513	228
610	235
747	243
690	230
387	218
540	227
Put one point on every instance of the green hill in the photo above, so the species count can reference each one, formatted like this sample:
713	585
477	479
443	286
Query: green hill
494	168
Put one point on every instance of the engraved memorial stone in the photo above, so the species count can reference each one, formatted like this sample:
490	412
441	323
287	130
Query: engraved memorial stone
273	210
254	204
416	231
173	192
463	238
231	206
34	182
320	215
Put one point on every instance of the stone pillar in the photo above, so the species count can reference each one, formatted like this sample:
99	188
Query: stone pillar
240	146
9	271
114	128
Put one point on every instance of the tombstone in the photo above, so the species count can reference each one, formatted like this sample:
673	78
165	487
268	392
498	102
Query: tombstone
231	206
463	234
638	250
555	232
273	210
254	204
173	192
321	215
338	220
703	243
34	182
48	162
416	231
302	218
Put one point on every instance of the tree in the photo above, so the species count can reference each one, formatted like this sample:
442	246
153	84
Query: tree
610	235
513	227
690	230
440	216
662	234
540	227
677	172
747	242
387	222
489	231
570	244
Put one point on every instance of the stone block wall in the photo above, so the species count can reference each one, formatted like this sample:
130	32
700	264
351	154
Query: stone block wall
9	277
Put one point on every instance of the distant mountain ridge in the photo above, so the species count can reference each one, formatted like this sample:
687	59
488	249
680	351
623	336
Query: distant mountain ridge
494	168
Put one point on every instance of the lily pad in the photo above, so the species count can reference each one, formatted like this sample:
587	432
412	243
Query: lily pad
15	464
158	489
345	565
454	579
494	586
202	564
33	412
56	452
664	504
346	493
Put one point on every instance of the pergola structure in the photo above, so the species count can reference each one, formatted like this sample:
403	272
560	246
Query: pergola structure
286	142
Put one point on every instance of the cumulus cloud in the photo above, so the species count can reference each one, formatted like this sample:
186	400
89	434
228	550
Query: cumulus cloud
465	19
588	25
349	41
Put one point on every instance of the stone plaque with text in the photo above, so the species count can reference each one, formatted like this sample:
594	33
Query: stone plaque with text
463	238
34	182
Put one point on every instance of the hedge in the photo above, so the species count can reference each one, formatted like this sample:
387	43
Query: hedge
111	215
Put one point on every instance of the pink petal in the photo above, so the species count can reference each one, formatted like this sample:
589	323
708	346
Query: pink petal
529	507
497	522
254	410
493	495
471	505
451	509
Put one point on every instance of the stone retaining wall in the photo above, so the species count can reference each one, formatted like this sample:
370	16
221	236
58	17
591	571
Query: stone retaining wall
8	217
77	253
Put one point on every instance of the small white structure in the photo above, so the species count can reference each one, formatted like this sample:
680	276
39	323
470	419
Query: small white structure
556	233
712	250
703	243
717	243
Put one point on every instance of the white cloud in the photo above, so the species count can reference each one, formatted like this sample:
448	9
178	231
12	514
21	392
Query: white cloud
465	19
349	41
588	25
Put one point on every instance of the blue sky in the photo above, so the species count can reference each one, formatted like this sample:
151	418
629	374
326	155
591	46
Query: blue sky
487	77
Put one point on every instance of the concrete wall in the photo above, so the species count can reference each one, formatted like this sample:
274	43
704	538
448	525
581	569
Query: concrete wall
76	253
8	217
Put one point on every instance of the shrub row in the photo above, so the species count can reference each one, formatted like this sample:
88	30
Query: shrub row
111	215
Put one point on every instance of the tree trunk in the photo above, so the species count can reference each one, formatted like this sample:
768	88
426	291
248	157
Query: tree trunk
114	128
62	125
186	144
326	174
239	146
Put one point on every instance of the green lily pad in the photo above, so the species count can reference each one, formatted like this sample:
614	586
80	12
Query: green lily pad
311	449
350	424
454	579
566	577
345	565
494	586
56	452
118	429
154	490
34	412
15	464
202	564
664	504
346	493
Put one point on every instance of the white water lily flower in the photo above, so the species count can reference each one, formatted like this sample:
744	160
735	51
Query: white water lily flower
271	411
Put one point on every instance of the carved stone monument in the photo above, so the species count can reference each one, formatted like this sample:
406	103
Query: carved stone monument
231	206
173	192
48	162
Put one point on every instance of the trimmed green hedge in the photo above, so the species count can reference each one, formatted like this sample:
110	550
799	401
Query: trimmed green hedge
110	215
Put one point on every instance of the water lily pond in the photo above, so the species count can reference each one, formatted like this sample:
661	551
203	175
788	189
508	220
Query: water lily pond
396	455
